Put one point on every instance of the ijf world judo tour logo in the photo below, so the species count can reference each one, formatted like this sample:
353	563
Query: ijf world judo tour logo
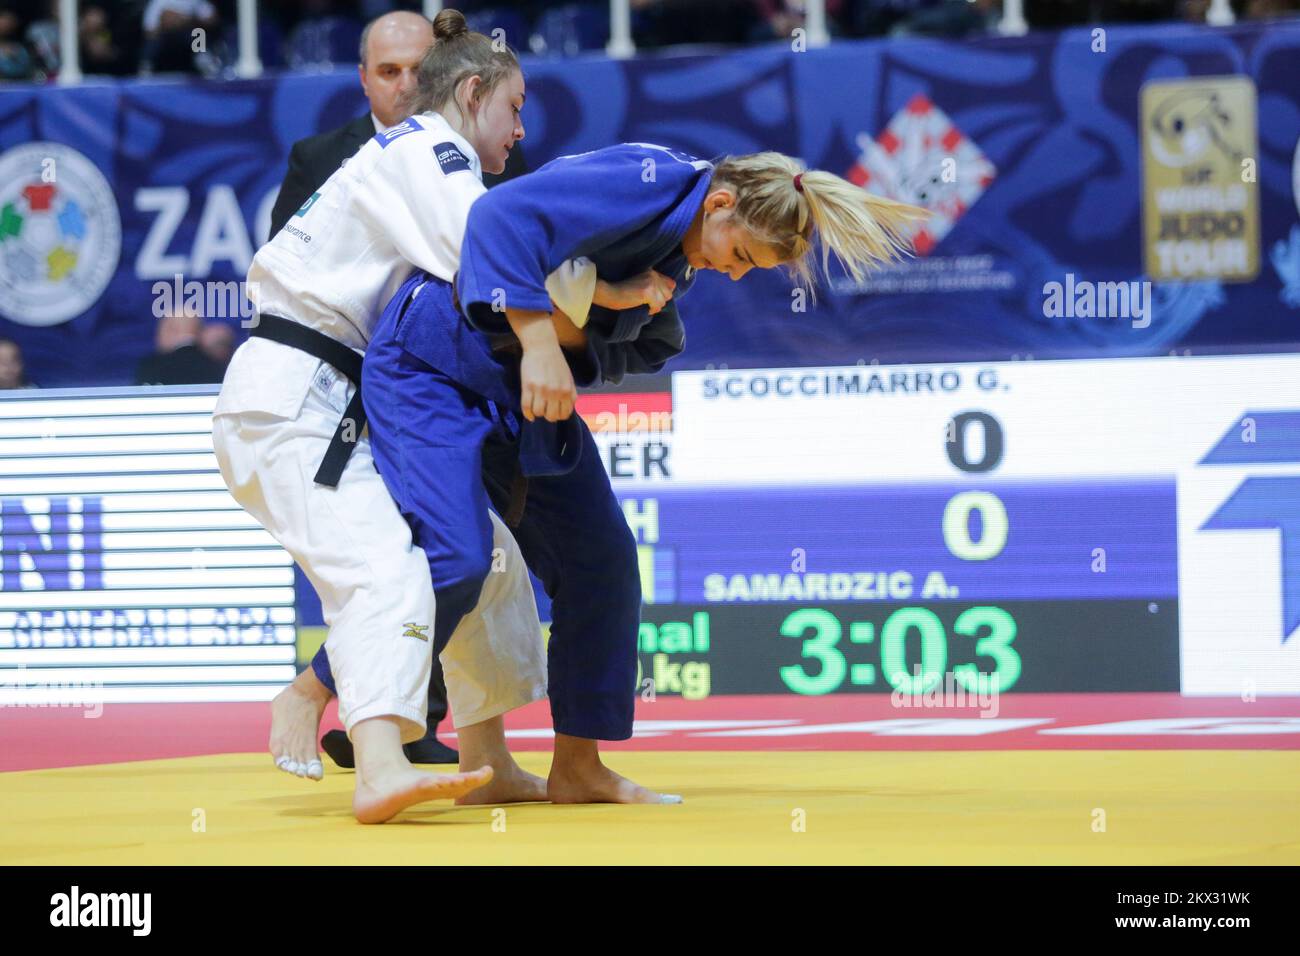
60	234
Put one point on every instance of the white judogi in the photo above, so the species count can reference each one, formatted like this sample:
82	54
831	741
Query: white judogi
400	202
374	586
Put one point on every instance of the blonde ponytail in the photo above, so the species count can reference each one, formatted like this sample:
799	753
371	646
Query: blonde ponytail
861	230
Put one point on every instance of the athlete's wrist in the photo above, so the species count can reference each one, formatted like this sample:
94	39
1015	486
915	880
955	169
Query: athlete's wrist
534	330
567	333
603	295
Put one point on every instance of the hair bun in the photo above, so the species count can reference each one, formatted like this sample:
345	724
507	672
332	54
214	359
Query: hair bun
449	24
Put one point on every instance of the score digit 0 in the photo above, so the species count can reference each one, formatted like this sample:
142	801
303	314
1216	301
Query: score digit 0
993	514
955	441
993	525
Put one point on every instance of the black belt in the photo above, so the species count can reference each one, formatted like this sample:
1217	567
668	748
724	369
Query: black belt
321	346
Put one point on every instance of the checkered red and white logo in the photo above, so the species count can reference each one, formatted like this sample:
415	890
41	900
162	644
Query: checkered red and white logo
923	159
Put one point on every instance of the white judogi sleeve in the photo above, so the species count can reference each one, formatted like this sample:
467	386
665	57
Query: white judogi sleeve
572	287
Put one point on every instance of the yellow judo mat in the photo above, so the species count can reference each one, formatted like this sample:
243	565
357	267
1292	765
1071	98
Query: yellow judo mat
989	807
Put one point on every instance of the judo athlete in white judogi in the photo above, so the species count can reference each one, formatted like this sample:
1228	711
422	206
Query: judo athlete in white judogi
288	430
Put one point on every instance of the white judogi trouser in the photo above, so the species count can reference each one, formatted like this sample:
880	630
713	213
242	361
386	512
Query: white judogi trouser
374	585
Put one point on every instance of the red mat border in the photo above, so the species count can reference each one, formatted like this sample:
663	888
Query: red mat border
36	738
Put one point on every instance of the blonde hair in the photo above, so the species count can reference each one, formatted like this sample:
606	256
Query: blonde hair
458	53
861	230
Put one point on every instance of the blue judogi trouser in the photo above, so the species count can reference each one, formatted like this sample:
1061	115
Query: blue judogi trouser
444	450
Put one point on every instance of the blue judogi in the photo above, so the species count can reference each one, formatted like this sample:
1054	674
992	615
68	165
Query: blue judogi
448	438
626	208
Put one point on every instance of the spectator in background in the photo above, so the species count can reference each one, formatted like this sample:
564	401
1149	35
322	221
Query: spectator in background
15	61
169	27
178	359
321	37
100	53
952	19
1266	9
778	19
867	18
43	38
1132	11
671	22
12	372
217	342
1057	14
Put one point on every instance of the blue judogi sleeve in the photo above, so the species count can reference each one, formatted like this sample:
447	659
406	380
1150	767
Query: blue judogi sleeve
521	231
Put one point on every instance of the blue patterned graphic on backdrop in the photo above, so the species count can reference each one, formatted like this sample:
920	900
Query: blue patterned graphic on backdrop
1052	126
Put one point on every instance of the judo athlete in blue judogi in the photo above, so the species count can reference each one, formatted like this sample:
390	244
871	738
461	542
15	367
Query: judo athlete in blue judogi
459	418
571	530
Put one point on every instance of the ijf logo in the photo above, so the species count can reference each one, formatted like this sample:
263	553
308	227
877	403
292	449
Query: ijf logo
60	234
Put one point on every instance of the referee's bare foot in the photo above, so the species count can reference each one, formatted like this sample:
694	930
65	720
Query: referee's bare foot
384	794
578	776
295	717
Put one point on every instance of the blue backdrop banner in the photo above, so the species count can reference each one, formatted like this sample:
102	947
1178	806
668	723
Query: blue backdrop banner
1093	192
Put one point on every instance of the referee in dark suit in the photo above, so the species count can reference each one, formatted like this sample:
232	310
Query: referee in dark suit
391	49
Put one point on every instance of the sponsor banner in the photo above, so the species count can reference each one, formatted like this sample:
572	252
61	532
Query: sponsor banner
124	562
1004	541
1032	185
966	653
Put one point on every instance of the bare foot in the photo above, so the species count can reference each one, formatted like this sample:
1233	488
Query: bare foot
388	793
510	784
295	717
596	783
484	744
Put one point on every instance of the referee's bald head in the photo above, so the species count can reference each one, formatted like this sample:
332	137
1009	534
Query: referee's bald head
391	49
395	27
